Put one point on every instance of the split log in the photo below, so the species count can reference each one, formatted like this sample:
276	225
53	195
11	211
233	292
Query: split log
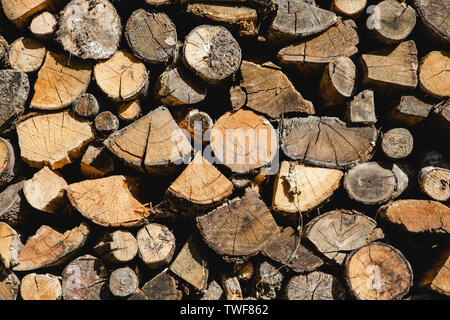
156	245
106	122
85	278
361	110
232	288
244	141
212	53
60	81
8	166
349	8
26	54
370	183
313	140
152	36
110	202
123	282
10	246
437	276
122	77
20	12
378	271
90	29
196	122
96	163
296	19
47	247
13	205
45	191
241	227
286	248
214	292
14	90
404	174
266	89
397	143
9	285
338	232
86	105
268	279
434	77
434	14
43	25
152	144
40	287
435	182
316	186
130	110
161	287
191	265
53	139
314	286
177	87
337	84
390	70
117	247
409	111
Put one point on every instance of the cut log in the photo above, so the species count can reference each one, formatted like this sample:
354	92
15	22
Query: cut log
268	279
244	141
109	202
96	163
156	245
161	287
123	282
47	247
86	105
397	143
314	286
338	232
241	227
117	247
151	36
13	205
391	70
435	183
122	77
434	75
405	176
60	81
20	12
337	84
296	19
349	8
378	271
106	122
40	287
10	246
370	183
8	167
231	16
212	53
409	111
14	89
85	278
232	288
45	191
267	90
316	186
361	110
90	29
214	292
4	53
130	110
53	139
434	14
154	143
196	122
191	265
437	277
26	54
9	285
43	25
313	140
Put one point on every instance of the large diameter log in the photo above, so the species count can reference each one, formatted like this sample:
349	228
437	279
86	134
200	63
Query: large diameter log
40	287
10	246
314	286
434	77
378	271
434	14
117	247
314	140
9	285
123	282
43	25
20	12
156	245
397	143
162	287
90	29
361	110
13	205
349	8
8	166
409	111
435	182
26	54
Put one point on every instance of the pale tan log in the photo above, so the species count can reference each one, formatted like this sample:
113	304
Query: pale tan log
26	54
156	245
117	247
96	163
9	285
361	110
43	25
40	287
123	282
19	12
314	286
435	182
434	74
8	166
158	3
4	53
10	246
129	111
397	143
349	8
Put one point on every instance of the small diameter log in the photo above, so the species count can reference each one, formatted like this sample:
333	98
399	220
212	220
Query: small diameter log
123	282
53	139
14	90
123	77
156	245
60	81
212	53
437	276
214	292
370	183
268	279
409	111
378	271
434	77
8	165
43	25
405	176
90	29
232	288
106	122
117	247
9	285
86	105
397	143
111	202
96	163
349	8
26	54
13	205
20	12
338	232
435	182
47	247
338	82
10	246
4	53
361	110
196	122
85	278
158	3
161	287
129	110
314	286
151	36
433	14
40	287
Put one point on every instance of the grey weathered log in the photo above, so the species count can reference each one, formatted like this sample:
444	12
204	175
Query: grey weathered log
14	208
9	285
314	286
434	16
361	109
268	279
409	111
4	53
86	105
123	282
162	287
106	122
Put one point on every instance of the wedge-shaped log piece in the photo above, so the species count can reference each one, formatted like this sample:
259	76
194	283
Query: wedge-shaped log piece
19	12
327	142
434	14
40	287
10	246
314	286
53	139
109	202
241	227
47	247
437	276
162	287
96	163
434	75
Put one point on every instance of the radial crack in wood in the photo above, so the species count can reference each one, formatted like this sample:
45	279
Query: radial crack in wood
156	245
314	286
434	74
40	287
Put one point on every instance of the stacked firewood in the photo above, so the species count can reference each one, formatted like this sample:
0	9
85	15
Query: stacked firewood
224	149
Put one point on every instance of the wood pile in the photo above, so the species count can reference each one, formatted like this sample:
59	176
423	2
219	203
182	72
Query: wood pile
224	149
